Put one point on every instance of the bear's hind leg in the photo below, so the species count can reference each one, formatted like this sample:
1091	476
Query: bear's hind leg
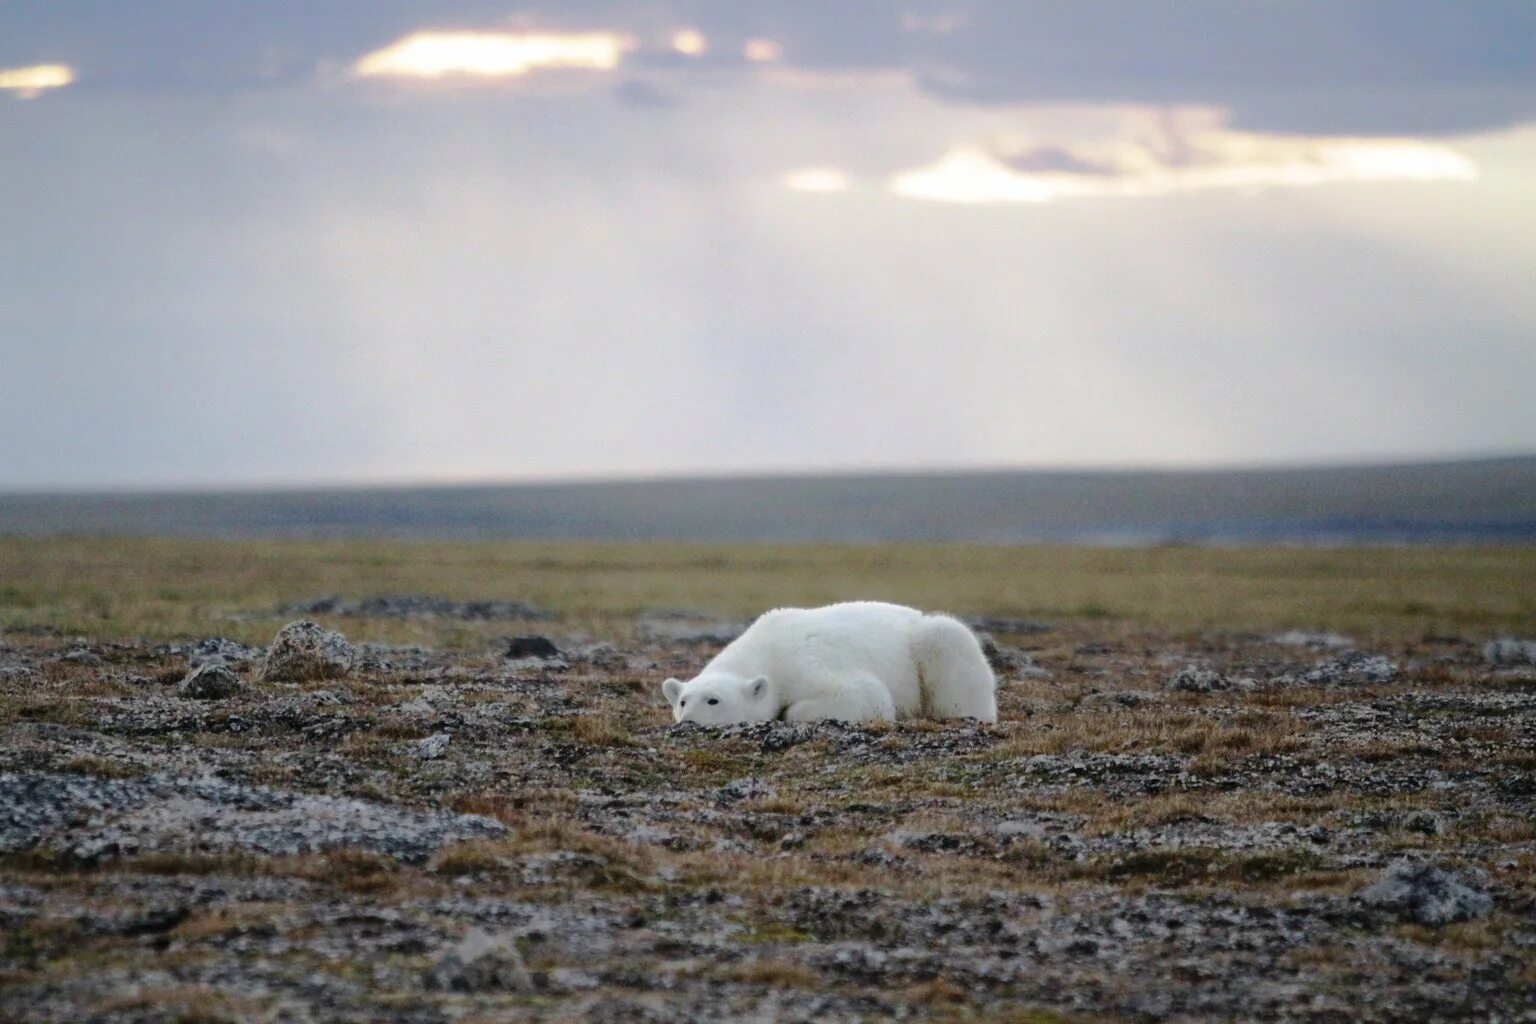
957	682
858	699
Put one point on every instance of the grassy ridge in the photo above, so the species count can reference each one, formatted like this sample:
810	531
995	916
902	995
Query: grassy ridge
168	588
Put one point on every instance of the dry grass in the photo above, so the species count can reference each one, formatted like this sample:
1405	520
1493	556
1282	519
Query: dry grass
167	588
1153	730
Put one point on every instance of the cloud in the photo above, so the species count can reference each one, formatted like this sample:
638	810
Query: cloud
762	51
493	54
689	42
1174	152
815	179
1367	67
30	82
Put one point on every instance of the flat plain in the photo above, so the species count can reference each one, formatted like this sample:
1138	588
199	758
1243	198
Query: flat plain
1228	784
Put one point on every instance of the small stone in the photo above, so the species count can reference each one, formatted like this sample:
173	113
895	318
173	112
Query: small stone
745	789
210	682
1418	891
532	647
481	962
433	746
1197	679
1509	651
303	650
1009	661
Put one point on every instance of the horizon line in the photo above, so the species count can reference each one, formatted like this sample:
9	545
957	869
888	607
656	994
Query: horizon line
725	475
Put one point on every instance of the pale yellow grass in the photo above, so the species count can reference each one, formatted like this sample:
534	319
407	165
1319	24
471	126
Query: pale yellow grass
169	588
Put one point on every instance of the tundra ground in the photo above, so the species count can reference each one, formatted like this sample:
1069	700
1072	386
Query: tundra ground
1299	804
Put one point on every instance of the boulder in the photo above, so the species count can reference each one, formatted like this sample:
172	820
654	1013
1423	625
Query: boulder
211	681
303	650
481	962
1509	651
1198	679
1417	891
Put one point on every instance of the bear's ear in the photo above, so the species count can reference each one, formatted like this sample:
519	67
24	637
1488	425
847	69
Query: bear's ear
672	688
756	688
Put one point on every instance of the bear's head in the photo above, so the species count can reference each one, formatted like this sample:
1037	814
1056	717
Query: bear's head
721	699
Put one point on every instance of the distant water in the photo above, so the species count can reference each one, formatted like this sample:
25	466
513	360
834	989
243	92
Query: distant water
1474	501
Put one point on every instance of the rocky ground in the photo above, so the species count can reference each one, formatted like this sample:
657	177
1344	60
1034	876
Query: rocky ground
1162	827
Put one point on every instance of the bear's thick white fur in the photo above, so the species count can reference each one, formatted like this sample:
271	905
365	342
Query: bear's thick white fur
863	661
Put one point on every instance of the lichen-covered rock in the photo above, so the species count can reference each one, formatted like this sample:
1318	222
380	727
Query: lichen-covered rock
433	746
210	682
481	962
1353	669
89	819
1010	662
1418	891
1198	679
1509	651
217	650
745	789
303	650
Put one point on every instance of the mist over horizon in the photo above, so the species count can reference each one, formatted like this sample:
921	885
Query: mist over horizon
1475	501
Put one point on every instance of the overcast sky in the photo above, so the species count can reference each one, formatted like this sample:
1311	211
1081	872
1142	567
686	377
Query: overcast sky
388	241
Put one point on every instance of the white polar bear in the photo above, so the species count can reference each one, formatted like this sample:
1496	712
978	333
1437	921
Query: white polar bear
862	661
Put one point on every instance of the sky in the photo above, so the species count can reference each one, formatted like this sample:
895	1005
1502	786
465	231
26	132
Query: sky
373	240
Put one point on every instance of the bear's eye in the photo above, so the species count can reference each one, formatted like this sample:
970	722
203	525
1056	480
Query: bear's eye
682	703
714	700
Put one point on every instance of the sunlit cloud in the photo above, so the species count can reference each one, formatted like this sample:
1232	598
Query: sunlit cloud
815	179
1173	155
932	24
762	51
493	54
33	81
689	42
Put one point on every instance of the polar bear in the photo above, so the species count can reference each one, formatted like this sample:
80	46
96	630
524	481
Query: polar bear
862	661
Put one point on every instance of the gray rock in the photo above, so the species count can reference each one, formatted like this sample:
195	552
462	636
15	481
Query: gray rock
433	746
217	650
1509	651
1198	679
531	647
1353	669
303	650
17	673
1010	661
90	819
210	682
1418	891
481	962
745	789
